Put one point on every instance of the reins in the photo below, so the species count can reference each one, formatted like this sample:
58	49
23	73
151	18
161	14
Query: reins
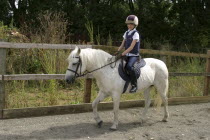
88	72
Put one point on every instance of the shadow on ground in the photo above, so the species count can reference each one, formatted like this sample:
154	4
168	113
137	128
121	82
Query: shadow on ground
77	131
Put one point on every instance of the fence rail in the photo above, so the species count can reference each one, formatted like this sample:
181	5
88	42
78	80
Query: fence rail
173	53
157	52
32	77
87	95
8	45
87	107
62	76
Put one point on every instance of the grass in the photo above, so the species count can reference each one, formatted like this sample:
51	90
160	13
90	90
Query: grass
186	86
37	95
34	94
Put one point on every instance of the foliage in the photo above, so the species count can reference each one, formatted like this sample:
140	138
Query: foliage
4	29
89	27
98	38
5	14
109	40
52	29
181	22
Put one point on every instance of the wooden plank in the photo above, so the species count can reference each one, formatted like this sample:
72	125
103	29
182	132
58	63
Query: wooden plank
87	107
68	109
172	53
72	46
87	94
33	77
188	100
2	85
188	74
207	79
41	46
62	76
42	111
157	52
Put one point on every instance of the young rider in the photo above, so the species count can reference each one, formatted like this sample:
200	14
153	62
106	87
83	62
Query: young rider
131	43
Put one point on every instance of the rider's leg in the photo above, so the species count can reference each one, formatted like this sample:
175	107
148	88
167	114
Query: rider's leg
130	68
133	81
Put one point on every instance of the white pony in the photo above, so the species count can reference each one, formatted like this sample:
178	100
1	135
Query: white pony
154	73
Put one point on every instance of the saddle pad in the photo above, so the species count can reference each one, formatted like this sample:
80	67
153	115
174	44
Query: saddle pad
137	66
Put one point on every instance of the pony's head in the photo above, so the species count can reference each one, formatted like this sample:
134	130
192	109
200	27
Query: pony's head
85	59
75	67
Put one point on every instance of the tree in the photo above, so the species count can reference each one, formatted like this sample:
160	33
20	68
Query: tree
180	22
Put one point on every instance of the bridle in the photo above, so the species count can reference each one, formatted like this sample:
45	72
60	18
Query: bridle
79	64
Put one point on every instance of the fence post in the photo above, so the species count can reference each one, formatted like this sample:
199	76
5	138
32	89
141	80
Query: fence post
207	78
87	94
2	86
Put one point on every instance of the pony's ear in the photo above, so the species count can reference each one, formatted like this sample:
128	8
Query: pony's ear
78	50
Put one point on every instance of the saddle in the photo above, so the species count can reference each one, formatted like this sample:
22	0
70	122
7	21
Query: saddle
124	74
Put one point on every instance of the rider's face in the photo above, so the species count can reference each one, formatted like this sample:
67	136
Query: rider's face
131	26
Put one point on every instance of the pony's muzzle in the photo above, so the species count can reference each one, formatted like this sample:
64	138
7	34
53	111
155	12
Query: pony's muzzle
70	79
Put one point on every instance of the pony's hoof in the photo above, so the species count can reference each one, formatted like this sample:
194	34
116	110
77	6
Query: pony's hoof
100	124
112	129
164	120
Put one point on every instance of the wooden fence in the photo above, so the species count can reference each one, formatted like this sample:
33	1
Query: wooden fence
11	113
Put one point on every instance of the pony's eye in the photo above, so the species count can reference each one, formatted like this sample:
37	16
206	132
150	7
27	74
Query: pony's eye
74	63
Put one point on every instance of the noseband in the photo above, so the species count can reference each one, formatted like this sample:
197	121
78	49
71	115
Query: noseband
79	63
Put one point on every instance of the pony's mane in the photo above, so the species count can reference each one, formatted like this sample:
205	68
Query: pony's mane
95	57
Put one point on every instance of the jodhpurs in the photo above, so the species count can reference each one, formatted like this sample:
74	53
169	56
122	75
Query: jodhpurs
130	62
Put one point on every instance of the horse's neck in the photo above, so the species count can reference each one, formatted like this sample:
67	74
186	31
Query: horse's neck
95	59
97	62
107	76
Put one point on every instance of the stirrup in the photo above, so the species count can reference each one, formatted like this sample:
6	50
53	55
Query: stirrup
133	89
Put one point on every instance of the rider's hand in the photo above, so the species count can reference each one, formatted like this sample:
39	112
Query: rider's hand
116	53
118	56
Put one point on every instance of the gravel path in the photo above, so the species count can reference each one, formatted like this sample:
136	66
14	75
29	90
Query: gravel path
186	122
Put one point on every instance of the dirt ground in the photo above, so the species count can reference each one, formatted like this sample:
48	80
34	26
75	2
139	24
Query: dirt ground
186	122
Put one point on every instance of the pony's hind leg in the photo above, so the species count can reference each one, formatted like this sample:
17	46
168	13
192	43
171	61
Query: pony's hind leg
162	89
98	99
165	103
147	102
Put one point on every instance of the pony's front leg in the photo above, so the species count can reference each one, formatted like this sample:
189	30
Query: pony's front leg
116	100
98	99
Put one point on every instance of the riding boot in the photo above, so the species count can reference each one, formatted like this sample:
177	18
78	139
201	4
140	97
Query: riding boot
133	81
